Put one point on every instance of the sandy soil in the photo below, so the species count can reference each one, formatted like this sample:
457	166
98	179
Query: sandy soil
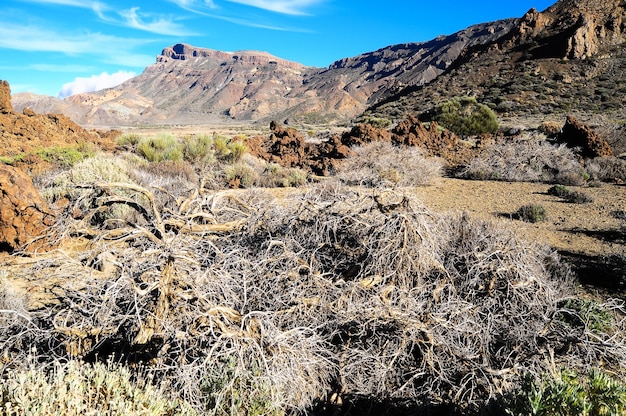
592	229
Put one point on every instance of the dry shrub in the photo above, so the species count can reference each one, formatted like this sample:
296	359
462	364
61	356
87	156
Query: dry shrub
75	388
248	305
381	164
531	159
607	169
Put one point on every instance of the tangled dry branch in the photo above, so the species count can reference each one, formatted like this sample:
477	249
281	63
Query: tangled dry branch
287	301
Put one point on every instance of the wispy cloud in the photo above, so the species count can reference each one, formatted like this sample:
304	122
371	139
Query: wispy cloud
293	7
94	83
208	8
106	48
97	6
62	68
160	25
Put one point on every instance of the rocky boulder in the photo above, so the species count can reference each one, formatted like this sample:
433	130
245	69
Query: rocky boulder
24	214
578	135
5	98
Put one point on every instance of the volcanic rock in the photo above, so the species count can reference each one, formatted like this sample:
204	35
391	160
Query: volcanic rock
578	135
5	98
22	135
24	214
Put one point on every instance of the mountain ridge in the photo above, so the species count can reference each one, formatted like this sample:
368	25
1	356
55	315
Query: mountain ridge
193	85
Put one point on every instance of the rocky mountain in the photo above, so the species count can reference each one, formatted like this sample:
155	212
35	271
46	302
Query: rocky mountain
197	85
568	57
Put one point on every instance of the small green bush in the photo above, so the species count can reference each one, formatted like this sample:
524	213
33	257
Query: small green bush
199	149
240	175
229	391
531	213
236	149
567	393
465	116
128	140
160	148
66	156
568	195
586	313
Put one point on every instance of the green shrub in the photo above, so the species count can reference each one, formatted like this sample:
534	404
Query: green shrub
199	149
128	140
77	388
100	168
585	313
465	116
531	213
568	195
378	122
220	143
567	393
230	389
160	148
66	155
240	175
236	150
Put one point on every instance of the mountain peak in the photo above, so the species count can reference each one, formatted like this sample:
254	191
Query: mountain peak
184	52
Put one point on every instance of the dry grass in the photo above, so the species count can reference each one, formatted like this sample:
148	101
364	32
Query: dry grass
240	302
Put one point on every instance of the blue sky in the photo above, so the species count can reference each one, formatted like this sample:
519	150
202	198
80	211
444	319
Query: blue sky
60	47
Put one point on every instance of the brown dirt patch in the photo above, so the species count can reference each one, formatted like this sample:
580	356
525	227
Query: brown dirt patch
591	228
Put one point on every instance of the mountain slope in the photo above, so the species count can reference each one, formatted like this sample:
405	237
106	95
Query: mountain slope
571	57
197	85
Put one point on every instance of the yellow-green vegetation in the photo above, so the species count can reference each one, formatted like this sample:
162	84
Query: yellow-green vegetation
568	393
77	388
378	122
569	195
160	148
62	156
465	116
240	175
199	149
130	140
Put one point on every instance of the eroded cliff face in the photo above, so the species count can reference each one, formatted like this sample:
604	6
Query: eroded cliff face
574	29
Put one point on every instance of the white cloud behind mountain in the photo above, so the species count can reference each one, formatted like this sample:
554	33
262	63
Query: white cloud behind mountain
94	83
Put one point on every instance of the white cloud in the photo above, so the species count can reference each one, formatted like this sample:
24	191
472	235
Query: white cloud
96	6
105	48
94	83
207	8
162	26
293	7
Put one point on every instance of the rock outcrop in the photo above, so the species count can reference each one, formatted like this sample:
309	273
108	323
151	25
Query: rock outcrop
5	98
24	135
24	214
578	135
287	147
